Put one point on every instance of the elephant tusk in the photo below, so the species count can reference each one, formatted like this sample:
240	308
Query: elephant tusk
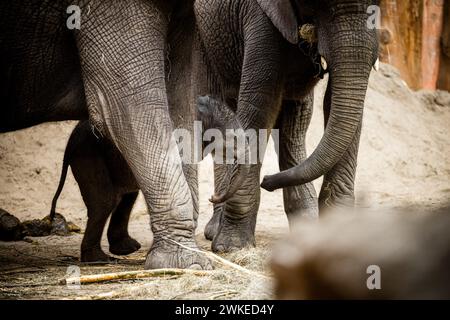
323	63
376	66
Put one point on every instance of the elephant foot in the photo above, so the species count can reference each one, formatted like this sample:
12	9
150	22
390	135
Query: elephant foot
311	213
95	256
124	246
212	227
165	254
234	236
336	196
330	202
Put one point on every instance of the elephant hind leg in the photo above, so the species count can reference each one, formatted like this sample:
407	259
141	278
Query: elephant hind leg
120	242
293	122
98	194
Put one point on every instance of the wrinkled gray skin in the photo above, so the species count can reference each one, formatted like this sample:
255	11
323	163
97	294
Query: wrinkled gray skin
108	186
215	114
256	66
115	70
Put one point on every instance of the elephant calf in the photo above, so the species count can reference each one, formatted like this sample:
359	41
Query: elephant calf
108	186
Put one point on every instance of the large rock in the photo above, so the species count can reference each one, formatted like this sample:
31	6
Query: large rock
10	227
339	257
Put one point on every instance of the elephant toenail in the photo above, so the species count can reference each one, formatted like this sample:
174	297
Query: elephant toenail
220	248
195	266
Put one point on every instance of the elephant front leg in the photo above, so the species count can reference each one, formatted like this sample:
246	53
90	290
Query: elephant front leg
258	106
338	188
233	224
124	77
191	174
293	122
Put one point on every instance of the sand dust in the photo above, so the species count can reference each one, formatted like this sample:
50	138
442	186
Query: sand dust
404	161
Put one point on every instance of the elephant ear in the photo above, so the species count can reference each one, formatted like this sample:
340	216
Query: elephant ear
281	13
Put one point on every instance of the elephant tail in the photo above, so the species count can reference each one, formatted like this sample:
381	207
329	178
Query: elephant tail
62	180
75	141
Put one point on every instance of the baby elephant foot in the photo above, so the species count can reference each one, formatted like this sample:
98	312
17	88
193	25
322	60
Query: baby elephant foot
95	256
165	254
233	236
124	246
212	227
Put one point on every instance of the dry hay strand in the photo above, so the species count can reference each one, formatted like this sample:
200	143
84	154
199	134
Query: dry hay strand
223	261
219	284
131	275
236	281
251	258
230	282
308	32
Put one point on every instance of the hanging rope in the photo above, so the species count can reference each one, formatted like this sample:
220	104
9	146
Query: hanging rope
308	45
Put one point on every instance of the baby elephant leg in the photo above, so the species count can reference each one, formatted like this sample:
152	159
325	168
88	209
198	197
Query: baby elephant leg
293	122
100	199
120	242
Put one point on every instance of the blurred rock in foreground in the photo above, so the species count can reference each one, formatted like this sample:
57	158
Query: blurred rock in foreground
336	257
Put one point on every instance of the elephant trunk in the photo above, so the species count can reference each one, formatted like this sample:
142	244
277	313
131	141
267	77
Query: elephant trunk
233	180
236	172
349	67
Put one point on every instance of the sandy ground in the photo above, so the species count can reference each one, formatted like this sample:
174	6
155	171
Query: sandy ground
404	161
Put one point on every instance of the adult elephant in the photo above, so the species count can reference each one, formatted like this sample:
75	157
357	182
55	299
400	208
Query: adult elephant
113	69
253	50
